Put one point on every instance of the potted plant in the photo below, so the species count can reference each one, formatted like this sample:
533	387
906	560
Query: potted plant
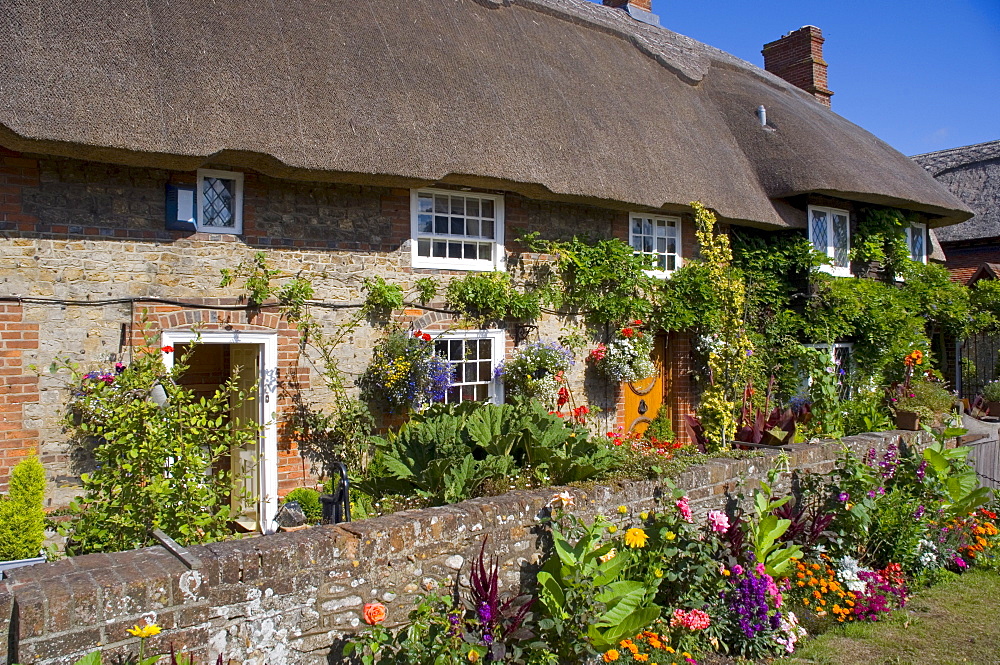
923	401
22	519
991	393
535	370
626	357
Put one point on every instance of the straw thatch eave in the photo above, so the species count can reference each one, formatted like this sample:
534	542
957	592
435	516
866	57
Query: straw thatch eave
562	99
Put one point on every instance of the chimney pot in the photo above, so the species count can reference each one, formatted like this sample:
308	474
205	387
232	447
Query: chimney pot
798	58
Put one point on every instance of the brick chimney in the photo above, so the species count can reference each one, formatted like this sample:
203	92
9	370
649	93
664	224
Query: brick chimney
640	10
798	58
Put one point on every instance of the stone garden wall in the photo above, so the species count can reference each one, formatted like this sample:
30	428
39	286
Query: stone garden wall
289	598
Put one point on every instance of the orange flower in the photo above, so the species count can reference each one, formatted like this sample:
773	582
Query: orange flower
610	656
374	613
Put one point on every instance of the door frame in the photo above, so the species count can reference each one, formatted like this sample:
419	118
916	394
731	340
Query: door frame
267	401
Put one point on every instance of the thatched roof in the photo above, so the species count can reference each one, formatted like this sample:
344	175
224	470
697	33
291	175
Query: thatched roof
972	173
560	99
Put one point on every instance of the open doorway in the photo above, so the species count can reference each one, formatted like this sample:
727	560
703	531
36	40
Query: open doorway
252	359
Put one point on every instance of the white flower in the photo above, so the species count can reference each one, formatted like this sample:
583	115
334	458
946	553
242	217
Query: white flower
562	500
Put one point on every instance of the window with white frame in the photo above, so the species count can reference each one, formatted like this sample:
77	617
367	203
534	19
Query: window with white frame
456	230
830	234
219	201
841	362
916	241
474	356
658	239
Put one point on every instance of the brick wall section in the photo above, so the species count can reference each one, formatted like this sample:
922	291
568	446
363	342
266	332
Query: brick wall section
287	599
798	58
19	388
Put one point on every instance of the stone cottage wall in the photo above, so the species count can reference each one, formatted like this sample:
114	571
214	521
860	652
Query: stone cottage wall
93	233
290	598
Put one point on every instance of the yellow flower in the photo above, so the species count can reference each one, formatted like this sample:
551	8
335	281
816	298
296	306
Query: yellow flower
145	631
686	654
658	573
622	509
612	529
644	515
610	655
669	535
636	538
612	553
473	656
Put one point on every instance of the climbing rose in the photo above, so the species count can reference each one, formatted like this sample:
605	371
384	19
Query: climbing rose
374	613
718	520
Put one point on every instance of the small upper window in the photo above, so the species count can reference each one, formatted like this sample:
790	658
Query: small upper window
220	201
830	234
916	240
657	238
456	230
474	356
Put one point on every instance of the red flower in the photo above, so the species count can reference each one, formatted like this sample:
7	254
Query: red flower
563	396
167	349
425	337
417	333
637	322
627	332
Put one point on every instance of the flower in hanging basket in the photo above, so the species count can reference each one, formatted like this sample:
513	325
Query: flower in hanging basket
536	370
404	372
626	357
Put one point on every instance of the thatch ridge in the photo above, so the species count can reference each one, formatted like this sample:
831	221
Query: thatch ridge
972	173
564	99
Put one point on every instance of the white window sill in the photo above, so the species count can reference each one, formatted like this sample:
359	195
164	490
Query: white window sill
836	271
457	264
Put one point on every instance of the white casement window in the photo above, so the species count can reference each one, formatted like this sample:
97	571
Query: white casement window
456	230
658	239
842	362
916	241
830	234
220	201
474	355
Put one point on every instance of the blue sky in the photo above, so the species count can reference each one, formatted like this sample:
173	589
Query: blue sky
921	75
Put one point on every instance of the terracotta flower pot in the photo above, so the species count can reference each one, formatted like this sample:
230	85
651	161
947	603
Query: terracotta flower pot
908	420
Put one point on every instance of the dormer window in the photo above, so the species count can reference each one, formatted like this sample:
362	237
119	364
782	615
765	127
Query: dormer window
830	234
658	239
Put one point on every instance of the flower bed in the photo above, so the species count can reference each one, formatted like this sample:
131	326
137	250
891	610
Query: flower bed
661	586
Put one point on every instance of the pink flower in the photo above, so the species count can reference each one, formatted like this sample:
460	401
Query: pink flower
718	521
597	355
692	620
685	509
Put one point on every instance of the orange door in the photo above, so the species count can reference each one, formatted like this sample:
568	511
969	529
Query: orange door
644	398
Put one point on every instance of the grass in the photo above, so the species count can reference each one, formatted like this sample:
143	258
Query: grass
953	622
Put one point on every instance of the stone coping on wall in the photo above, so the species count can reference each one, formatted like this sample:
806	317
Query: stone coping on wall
289	598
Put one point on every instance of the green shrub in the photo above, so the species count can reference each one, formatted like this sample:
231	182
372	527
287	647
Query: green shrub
155	467
22	520
308	500
991	391
929	399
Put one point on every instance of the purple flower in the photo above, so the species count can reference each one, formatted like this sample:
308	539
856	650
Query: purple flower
922	471
919	512
871	494
485	612
843	497
487	638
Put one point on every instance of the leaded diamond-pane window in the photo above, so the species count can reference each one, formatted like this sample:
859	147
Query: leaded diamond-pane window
830	234
841	248
473	357
459	230
658	238
917	234
220	201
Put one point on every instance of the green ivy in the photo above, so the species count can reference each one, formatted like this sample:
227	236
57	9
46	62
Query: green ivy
603	280
492	296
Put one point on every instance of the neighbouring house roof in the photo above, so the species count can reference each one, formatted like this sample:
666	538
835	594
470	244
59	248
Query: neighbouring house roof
559	99
985	271
972	173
